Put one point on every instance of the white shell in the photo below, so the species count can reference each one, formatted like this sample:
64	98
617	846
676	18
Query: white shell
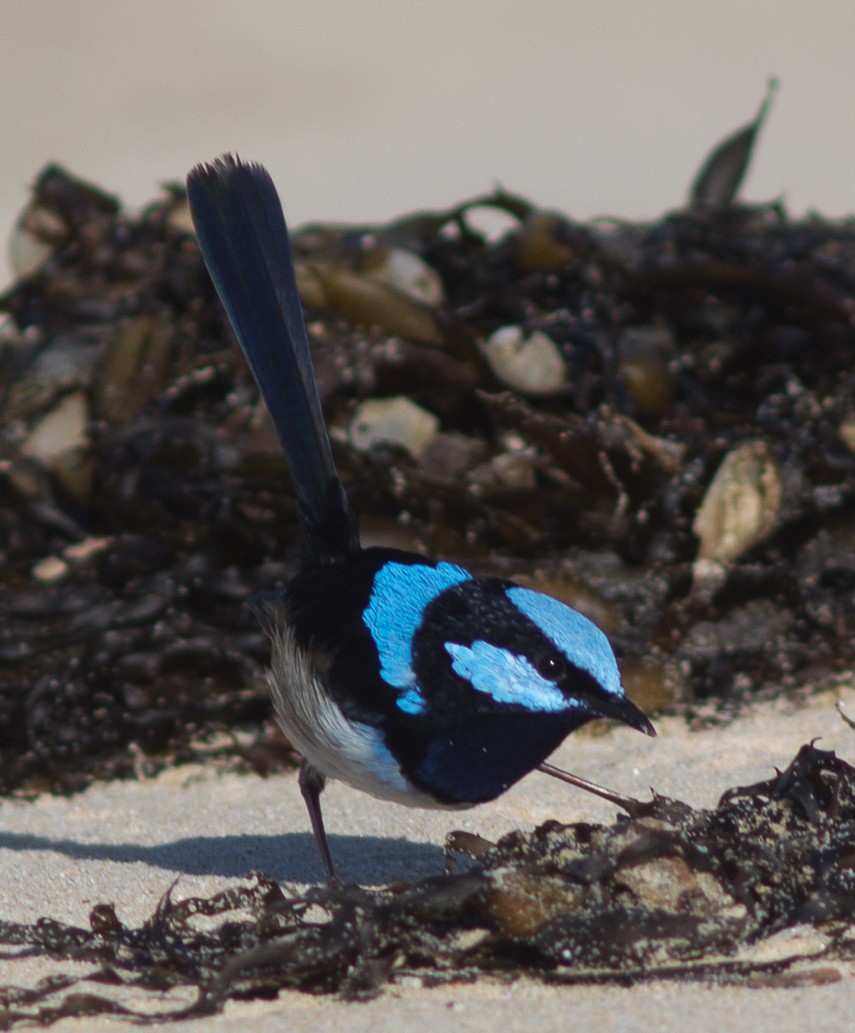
532	365
49	570
63	428
34	239
799	941
411	275
397	421
739	509
514	470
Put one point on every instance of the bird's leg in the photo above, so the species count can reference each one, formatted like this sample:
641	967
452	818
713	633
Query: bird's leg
629	804
312	783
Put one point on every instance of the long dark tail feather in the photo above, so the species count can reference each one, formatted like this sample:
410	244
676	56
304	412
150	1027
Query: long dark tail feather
244	240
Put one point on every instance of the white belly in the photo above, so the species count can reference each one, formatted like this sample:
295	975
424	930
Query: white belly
334	745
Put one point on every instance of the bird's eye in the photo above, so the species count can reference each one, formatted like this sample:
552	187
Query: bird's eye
550	666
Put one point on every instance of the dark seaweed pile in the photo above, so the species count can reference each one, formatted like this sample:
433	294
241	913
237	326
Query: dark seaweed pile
717	339
689	482
667	892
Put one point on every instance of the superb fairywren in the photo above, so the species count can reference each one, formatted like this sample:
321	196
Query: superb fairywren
407	678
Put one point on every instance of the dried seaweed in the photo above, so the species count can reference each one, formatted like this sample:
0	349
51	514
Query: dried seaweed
143	497
719	179
741	893
688	479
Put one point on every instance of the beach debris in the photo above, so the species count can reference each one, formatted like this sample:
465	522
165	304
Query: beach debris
716	185
756	891
740	508
393	421
532	365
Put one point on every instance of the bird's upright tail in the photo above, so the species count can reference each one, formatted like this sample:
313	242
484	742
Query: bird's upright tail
244	240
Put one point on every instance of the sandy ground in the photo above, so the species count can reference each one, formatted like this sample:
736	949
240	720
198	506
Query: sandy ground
127	842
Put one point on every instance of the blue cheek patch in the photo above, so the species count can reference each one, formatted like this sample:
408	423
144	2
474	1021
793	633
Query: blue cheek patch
577	638
506	677
394	614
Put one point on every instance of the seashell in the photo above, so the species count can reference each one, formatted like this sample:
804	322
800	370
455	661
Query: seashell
410	274
58	441
86	548
532	365
50	570
59	431
739	509
396	421
484	219
179	217
514	470
796	942
37	234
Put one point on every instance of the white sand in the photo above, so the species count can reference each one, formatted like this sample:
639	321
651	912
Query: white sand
127	842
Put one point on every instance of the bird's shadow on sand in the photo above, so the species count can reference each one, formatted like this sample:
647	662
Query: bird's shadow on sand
291	857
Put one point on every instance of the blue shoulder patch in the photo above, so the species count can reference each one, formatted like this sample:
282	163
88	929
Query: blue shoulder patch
398	600
579	639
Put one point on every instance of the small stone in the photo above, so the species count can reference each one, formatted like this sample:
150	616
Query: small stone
532	365
800	941
411	275
82	550
49	570
739	509
396	421
62	429
37	234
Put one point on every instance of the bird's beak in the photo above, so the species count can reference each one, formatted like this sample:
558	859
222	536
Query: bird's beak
620	708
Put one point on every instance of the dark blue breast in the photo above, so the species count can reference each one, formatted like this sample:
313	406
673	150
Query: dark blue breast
478	761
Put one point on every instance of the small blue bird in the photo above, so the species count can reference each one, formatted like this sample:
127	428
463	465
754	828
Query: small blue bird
404	677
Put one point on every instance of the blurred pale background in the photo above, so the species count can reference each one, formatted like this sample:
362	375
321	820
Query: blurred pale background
366	109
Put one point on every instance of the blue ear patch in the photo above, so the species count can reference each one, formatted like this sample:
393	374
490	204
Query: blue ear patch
506	677
394	613
577	638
